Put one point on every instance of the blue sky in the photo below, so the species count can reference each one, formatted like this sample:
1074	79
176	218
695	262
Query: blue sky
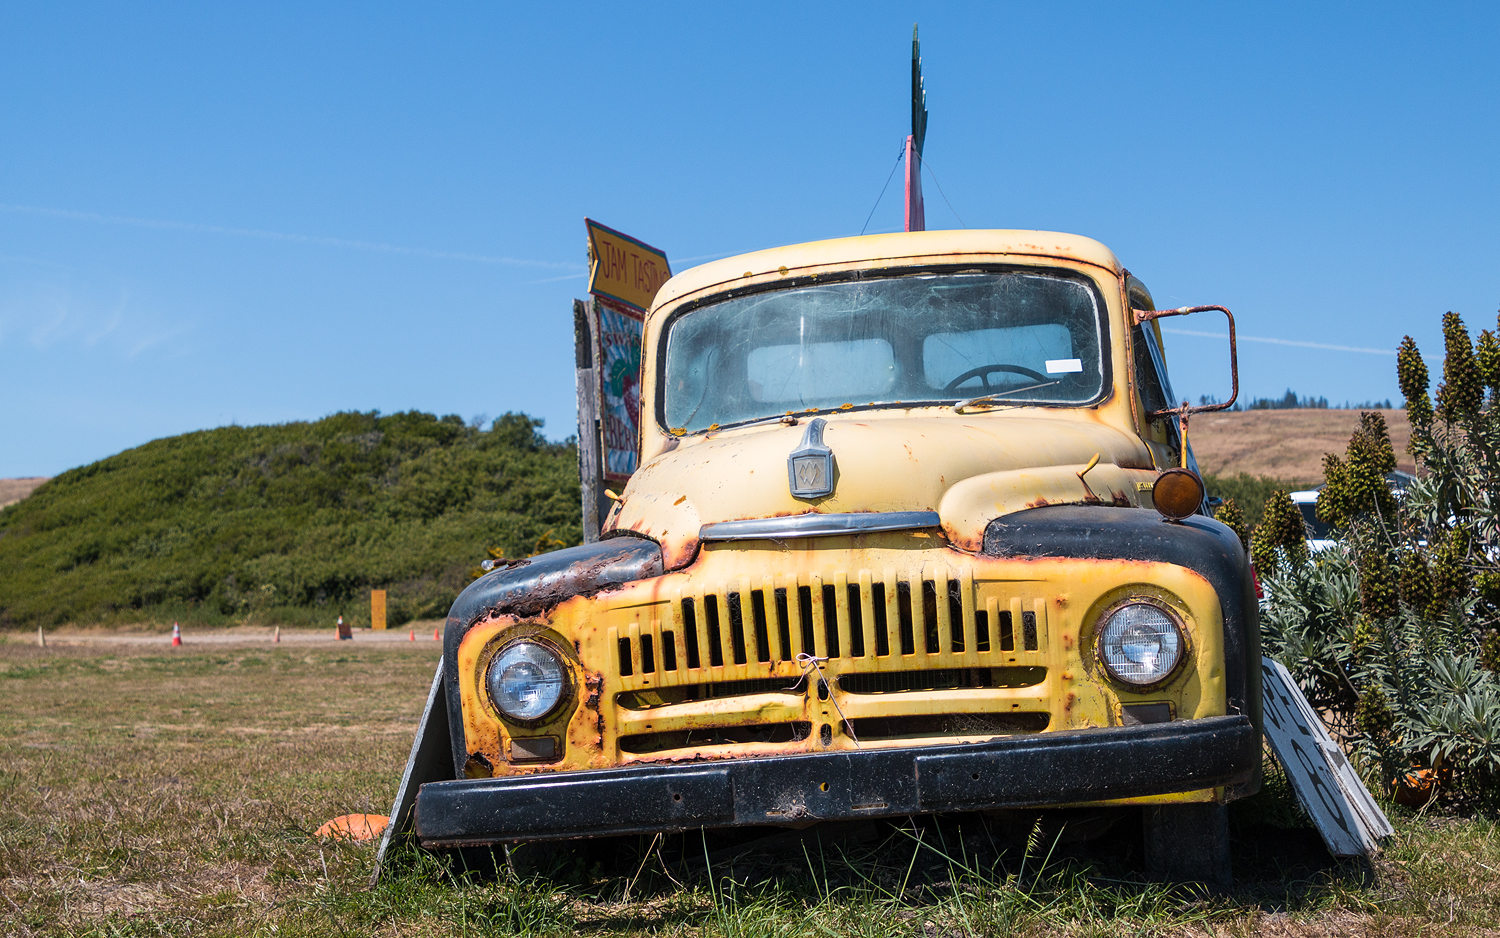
213	213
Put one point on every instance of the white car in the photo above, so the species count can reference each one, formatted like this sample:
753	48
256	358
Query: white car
1319	535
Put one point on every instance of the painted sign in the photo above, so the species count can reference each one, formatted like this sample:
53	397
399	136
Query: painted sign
624	275
623	269
377	610
1326	784
618	359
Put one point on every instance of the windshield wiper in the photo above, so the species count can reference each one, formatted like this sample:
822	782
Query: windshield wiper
790	420
995	398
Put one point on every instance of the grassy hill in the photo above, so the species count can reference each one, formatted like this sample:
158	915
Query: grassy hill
291	523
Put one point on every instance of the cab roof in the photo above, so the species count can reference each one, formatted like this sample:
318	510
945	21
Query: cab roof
927	245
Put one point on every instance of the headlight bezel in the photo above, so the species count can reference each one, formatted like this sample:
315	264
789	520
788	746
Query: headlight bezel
1174	616
497	653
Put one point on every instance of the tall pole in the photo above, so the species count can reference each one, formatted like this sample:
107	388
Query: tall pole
916	217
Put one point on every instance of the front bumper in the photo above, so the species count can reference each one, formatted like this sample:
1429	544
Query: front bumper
1013	772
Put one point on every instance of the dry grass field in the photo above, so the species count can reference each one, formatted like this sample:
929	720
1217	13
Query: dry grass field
1284	444
13	490
150	791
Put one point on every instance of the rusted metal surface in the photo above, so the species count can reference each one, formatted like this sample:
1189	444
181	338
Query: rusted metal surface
968	469
620	639
532	586
533	589
875	252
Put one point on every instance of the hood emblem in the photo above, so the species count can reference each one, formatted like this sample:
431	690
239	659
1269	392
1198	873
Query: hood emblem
809	468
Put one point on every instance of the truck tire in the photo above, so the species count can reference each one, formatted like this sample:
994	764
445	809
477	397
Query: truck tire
1188	843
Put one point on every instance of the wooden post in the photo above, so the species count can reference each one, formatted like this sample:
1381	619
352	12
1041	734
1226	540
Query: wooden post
590	461
377	610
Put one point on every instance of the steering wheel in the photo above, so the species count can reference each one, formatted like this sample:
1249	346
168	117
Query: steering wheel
984	371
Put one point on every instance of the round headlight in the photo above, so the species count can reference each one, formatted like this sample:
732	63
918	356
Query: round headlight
526	681
1140	644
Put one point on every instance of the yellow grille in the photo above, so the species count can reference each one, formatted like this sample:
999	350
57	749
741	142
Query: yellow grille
861	620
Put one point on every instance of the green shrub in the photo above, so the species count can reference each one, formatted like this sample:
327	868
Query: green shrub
291	523
1393	632
1249	492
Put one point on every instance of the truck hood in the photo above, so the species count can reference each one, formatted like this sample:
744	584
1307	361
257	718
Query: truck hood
970	469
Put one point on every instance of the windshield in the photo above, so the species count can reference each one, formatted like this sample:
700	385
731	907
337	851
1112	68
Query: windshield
1026	336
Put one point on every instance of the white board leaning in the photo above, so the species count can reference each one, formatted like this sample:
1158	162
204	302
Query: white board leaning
1338	802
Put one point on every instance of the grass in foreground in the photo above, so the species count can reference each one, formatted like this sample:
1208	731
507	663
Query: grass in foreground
144	793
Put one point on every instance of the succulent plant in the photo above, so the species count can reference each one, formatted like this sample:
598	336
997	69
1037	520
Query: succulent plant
1280	534
1378	595
1395	631
1462	390
1230	514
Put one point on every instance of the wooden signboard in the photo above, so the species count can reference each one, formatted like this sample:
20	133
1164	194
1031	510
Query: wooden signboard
1327	786
590	462
622	269
377	610
624	276
617	375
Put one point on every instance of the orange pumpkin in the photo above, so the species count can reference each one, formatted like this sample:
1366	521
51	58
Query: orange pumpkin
1416	786
356	827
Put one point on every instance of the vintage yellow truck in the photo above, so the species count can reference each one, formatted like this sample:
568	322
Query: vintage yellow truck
915	530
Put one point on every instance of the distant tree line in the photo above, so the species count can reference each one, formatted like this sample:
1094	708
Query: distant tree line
1291	400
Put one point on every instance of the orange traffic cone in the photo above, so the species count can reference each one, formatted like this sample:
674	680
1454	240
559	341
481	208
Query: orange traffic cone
176	635
413	636
435	635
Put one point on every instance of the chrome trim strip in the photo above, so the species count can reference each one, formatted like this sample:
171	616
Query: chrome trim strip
818	525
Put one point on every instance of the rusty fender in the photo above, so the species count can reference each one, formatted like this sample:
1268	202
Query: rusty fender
1203	545
533	588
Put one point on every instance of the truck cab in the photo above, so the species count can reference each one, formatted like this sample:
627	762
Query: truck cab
914	531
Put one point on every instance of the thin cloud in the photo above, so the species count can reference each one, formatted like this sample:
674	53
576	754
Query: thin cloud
281	236
1294	342
73	314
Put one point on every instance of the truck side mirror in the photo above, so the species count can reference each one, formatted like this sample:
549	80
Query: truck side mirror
1143	316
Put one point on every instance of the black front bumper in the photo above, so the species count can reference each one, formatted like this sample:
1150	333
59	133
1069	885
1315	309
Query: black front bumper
1014	772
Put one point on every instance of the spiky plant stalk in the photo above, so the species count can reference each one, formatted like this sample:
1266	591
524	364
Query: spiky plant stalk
1395	633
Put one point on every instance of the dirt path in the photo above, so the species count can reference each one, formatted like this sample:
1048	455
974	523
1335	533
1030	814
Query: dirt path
419	633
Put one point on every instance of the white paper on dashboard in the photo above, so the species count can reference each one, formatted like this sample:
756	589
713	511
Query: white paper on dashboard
1062	366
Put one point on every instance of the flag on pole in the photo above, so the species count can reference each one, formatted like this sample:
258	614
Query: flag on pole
916	217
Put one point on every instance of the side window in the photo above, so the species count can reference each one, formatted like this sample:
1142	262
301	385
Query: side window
1151	380
1155	393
